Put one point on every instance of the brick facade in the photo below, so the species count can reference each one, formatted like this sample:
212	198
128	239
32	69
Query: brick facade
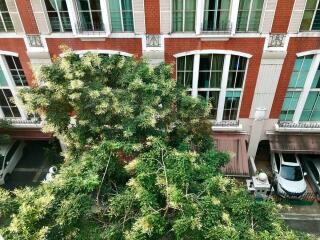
282	16
17	45
27	17
128	45
296	45
152	16
253	46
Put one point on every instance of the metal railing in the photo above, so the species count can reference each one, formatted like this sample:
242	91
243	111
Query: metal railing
224	28
226	123
153	40
289	124
88	29
20	121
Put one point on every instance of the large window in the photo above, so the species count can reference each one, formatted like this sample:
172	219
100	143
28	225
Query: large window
302	100
89	15
296	84
58	15
311	16
210	84
185	71
216	15
16	71
183	15
8	107
5	19
121	15
249	15
311	110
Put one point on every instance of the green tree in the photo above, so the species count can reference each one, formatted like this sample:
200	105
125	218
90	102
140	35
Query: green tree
140	162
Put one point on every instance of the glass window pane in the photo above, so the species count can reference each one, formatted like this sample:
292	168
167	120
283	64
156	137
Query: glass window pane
95	5
205	61
215	81
127	21
3	81
203	81
189	62
316	80
177	22
180	63
316	21
306	20
189	21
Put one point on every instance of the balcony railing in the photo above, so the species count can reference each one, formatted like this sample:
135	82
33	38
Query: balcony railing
89	29
226	123
224	28
153	40
304	125
23	122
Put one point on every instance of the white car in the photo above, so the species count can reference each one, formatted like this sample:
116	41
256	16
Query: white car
10	155
289	178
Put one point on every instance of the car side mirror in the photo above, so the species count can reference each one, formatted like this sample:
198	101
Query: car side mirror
304	174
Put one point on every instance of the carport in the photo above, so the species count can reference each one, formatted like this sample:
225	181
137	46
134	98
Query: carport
296	143
303	143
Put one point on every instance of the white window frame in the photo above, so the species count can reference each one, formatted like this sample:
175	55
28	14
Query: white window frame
121	17
11	85
184	16
75	21
313	17
307	85
229	17
249	15
224	79
3	22
59	17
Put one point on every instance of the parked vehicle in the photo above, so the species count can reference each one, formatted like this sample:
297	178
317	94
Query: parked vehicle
289	177
10	155
312	166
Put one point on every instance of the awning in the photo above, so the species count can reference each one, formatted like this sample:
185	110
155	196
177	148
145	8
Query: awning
295	142
233	143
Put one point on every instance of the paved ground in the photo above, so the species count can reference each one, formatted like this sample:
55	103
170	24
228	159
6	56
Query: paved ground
32	167
302	216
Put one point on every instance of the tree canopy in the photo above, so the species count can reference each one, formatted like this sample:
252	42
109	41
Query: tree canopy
140	161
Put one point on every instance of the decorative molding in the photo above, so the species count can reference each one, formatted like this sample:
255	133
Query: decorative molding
34	40
153	40
277	40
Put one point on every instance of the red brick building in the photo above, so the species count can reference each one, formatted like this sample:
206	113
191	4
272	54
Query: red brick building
256	60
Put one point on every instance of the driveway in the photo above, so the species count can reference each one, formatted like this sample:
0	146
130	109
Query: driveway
32	167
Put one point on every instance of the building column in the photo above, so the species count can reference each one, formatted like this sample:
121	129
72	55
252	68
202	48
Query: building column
195	77
223	90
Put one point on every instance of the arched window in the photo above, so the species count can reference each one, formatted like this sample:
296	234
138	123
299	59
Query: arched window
302	100
217	76
11	76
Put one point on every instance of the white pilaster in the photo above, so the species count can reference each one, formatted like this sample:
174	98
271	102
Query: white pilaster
224	81
72	10
306	89
234	15
105	14
199	15
195	77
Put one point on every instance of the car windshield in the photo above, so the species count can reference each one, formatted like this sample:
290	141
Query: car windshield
291	173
